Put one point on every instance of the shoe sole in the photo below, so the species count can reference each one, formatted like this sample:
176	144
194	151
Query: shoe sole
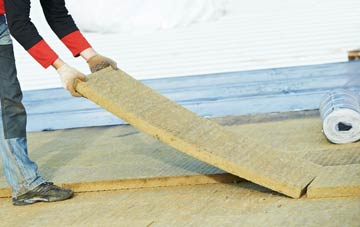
39	199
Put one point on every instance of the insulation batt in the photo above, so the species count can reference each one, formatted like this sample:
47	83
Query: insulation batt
340	113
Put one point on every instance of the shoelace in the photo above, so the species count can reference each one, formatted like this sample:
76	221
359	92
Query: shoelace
44	187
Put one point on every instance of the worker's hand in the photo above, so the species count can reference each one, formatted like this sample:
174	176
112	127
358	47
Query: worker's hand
68	76
99	62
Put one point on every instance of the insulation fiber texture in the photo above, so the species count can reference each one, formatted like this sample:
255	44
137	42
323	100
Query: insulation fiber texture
171	123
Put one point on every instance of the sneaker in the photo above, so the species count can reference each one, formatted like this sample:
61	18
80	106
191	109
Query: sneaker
46	192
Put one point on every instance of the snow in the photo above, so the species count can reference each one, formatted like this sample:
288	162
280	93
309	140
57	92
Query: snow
158	38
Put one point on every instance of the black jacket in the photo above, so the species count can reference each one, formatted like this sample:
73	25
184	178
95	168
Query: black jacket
60	21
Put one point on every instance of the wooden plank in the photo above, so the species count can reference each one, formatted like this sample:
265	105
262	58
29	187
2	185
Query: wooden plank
200	138
354	55
336	181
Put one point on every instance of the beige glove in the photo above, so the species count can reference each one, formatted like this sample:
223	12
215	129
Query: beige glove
99	62
68	76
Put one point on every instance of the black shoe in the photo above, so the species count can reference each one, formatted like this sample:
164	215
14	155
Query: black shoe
46	192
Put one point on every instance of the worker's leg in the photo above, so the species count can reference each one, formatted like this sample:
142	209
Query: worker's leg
20	172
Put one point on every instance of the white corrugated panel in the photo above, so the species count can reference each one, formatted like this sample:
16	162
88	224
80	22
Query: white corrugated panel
252	35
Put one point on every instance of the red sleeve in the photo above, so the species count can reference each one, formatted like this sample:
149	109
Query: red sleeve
2	7
43	53
76	43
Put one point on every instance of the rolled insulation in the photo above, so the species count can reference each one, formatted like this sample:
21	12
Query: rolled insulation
340	114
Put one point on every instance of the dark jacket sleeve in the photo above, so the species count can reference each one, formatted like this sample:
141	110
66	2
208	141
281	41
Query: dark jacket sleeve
20	25
64	26
24	31
57	16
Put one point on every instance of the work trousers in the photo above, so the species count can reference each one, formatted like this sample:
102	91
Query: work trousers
21	173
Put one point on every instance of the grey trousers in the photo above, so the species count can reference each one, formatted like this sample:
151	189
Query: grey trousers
12	109
21	173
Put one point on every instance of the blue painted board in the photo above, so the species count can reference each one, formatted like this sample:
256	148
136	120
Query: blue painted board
213	95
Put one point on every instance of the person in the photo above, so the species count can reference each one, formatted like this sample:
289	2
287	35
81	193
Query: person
27	185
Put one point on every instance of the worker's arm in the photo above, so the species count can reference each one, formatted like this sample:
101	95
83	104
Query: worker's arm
64	27
24	31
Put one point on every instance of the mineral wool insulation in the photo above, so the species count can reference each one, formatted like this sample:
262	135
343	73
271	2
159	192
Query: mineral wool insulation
340	113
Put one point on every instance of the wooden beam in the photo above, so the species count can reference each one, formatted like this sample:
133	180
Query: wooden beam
354	55
336	181
198	137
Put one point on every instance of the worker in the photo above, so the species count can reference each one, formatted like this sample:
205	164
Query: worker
27	185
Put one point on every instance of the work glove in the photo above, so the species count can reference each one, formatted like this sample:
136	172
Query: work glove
68	76
99	62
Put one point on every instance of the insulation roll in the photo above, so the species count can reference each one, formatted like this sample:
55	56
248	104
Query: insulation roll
340	113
